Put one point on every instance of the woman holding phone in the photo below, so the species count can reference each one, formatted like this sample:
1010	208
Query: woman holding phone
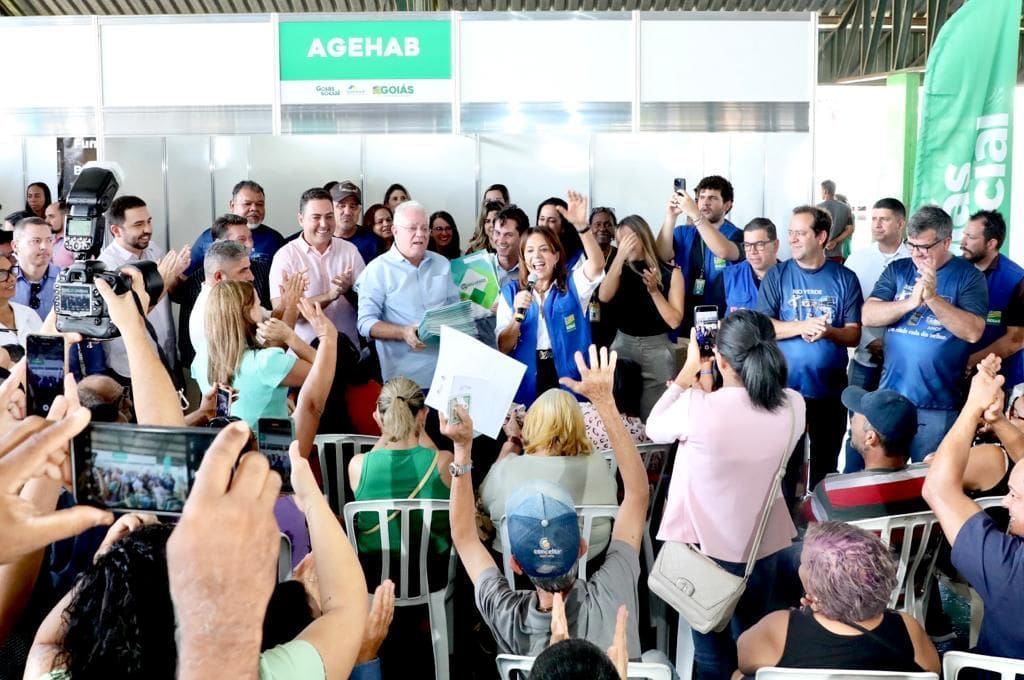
644	299
541	318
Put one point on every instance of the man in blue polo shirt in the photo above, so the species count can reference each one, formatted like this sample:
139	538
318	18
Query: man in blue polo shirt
248	200
990	559
1004	325
934	306
815	306
705	245
738	285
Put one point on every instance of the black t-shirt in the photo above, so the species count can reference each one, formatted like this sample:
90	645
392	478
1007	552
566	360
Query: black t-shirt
633	307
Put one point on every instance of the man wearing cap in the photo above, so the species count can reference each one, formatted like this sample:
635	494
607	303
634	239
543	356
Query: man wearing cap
331	265
348	209
545	541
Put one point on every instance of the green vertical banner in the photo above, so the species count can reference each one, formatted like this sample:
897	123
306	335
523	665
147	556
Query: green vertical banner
964	146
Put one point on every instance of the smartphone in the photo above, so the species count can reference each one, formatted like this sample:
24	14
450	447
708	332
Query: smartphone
223	402
273	438
137	468
45	376
705	320
680	185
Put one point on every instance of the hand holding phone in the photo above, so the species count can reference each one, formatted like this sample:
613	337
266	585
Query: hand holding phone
45	377
224	395
705	321
273	439
680	185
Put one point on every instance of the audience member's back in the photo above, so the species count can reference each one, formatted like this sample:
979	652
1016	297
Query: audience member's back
573	659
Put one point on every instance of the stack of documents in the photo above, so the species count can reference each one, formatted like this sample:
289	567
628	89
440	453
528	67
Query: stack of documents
459	316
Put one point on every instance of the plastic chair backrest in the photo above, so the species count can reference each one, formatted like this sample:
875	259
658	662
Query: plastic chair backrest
406	593
829	674
510	663
1008	669
587	515
335	451
917	551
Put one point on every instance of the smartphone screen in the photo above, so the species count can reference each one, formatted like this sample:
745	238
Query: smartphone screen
45	376
705	320
223	402
680	185
273	438
131	467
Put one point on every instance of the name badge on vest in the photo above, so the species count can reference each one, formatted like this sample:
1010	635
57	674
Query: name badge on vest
595	312
995	317
719	263
570	322
698	286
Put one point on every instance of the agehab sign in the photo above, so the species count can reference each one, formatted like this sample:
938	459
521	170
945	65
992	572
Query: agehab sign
365	62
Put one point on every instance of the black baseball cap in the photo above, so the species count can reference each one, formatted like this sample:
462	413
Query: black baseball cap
890	414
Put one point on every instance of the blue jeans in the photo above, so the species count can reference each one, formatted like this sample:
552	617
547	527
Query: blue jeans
932	426
714	654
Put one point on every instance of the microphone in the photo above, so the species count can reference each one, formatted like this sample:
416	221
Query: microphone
530	283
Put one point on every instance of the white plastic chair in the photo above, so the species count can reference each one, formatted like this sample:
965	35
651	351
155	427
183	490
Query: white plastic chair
656	459
334	452
586	513
827	674
917	554
1008	669
509	663
408	594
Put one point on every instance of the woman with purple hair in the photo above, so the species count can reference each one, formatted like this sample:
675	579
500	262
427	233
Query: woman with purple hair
848	576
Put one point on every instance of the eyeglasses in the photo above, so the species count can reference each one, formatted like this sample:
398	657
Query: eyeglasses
921	248
755	246
416	230
6	274
33	299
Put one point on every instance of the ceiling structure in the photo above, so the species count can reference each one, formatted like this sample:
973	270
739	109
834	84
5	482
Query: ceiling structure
858	40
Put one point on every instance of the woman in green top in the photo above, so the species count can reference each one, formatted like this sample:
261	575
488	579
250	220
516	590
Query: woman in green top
405	464
260	376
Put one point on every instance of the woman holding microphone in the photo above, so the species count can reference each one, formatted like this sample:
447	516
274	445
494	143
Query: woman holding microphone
546	335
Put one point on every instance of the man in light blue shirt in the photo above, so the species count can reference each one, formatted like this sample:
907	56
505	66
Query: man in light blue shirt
396	289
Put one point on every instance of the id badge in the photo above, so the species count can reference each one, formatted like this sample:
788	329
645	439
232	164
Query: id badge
595	312
698	286
570	323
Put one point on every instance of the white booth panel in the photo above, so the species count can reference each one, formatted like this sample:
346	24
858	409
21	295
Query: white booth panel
41	162
535	167
438	170
555	61
141	159
46	65
746	173
12	176
188	182
229	164
188	64
287	166
787	180
764	60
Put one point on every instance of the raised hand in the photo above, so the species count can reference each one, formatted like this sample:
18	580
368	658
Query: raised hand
382	611
342	283
461	432
576	213
559	624
597	379
619	651
312	313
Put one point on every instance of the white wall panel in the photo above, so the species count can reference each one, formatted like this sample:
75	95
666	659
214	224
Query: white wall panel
41	161
142	162
438	170
188	172
12	179
48	65
188	64
720	58
229	164
535	167
554	61
787	180
287	166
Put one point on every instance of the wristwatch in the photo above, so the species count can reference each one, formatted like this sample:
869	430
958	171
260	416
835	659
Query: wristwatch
456	470
581	232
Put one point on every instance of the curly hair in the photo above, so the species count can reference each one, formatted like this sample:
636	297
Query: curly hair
120	622
848	570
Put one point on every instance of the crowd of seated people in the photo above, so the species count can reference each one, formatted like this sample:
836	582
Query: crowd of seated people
928	406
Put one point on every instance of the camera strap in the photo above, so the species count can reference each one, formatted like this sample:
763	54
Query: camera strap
156	341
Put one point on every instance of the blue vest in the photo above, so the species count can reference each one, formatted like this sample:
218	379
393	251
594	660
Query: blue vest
740	290
685	238
568	329
1002	279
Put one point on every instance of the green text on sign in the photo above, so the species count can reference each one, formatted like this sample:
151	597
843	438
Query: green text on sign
364	50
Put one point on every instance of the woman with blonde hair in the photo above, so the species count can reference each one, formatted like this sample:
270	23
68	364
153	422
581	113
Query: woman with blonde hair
404	464
481	239
644	298
235	356
554	447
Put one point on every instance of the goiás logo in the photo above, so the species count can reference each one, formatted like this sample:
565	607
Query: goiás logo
327	91
394	90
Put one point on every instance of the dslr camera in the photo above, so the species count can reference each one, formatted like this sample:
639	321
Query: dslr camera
78	305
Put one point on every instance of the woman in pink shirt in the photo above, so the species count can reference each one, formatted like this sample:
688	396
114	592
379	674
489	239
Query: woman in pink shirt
732	441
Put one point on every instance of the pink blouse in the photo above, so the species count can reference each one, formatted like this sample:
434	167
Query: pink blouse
730	451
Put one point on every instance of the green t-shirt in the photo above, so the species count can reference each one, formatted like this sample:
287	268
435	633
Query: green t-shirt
258	382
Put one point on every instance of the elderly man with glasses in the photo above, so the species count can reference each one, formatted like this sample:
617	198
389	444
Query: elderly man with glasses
33	246
933	306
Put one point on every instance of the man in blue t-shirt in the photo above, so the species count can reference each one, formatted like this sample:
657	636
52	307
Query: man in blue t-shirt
815	306
992	561
933	306
248	200
704	246
738	285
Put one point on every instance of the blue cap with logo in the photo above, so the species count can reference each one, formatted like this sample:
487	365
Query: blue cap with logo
543	531
890	414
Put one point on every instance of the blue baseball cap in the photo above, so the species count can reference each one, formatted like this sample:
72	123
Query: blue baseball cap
890	414
543	530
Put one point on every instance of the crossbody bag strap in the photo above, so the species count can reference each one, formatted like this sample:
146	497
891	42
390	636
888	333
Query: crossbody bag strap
415	492
770	498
